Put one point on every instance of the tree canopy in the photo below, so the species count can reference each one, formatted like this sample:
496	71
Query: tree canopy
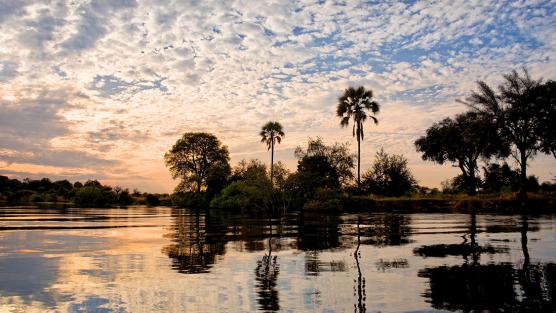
357	104
193	157
271	133
546	127
389	175
462	141
335	159
517	109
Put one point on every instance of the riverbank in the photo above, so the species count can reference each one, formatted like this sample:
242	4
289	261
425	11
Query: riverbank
537	203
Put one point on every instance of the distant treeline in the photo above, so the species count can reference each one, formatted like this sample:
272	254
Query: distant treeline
89	194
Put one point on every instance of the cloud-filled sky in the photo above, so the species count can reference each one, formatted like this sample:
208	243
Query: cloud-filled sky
102	88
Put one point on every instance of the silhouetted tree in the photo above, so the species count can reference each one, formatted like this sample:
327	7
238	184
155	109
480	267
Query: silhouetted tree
271	133
546	127
250	188
334	161
389	175
193	156
516	109
462	141
499	177
217	178
252	171
354	104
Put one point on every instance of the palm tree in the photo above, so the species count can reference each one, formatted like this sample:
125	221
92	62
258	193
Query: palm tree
270	133
354	103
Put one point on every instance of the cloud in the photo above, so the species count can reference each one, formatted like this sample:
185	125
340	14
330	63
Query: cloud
8	70
94	22
28	126
10	8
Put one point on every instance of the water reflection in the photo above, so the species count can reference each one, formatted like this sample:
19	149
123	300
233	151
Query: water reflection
163	259
360	281
493	287
194	247
468	248
266	276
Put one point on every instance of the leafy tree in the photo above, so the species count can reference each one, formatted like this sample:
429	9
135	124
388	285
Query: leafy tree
462	141
250	188
546	127
252	171
243	195
281	174
125	198
152	200
354	104
334	161
500	177
193	157
318	172
93	196
271	133
454	185
516	108
217	178
389	175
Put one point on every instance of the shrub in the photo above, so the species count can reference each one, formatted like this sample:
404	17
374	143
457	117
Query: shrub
243	195
325	199
92	196
152	200
389	175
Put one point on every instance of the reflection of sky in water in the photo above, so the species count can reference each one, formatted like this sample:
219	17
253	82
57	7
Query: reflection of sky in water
174	260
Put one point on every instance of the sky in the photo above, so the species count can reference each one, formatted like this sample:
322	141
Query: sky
102	89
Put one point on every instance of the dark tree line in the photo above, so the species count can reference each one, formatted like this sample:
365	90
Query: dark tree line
89	194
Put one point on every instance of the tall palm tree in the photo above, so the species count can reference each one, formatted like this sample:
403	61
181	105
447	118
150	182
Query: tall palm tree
355	103
270	133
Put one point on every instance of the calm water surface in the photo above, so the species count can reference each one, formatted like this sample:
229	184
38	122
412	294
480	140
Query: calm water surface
178	260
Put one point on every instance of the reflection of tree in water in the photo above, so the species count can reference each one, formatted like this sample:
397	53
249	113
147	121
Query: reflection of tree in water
314	265
493	287
266	276
318	231
468	247
387	229
359	289
195	242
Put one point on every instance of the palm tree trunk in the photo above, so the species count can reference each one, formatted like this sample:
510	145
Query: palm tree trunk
272	162
358	157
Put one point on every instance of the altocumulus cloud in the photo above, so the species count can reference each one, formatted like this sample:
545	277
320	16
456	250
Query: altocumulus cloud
136	74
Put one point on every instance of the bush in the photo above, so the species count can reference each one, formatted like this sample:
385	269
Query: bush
325	199
36	198
189	199
389	175
152	200
92	196
243	195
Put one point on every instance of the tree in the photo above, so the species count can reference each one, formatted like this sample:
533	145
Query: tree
271	133
192	158
516	108
250	188
546	127
252	171
335	160
389	175
217	178
462	141
354	104
500	177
